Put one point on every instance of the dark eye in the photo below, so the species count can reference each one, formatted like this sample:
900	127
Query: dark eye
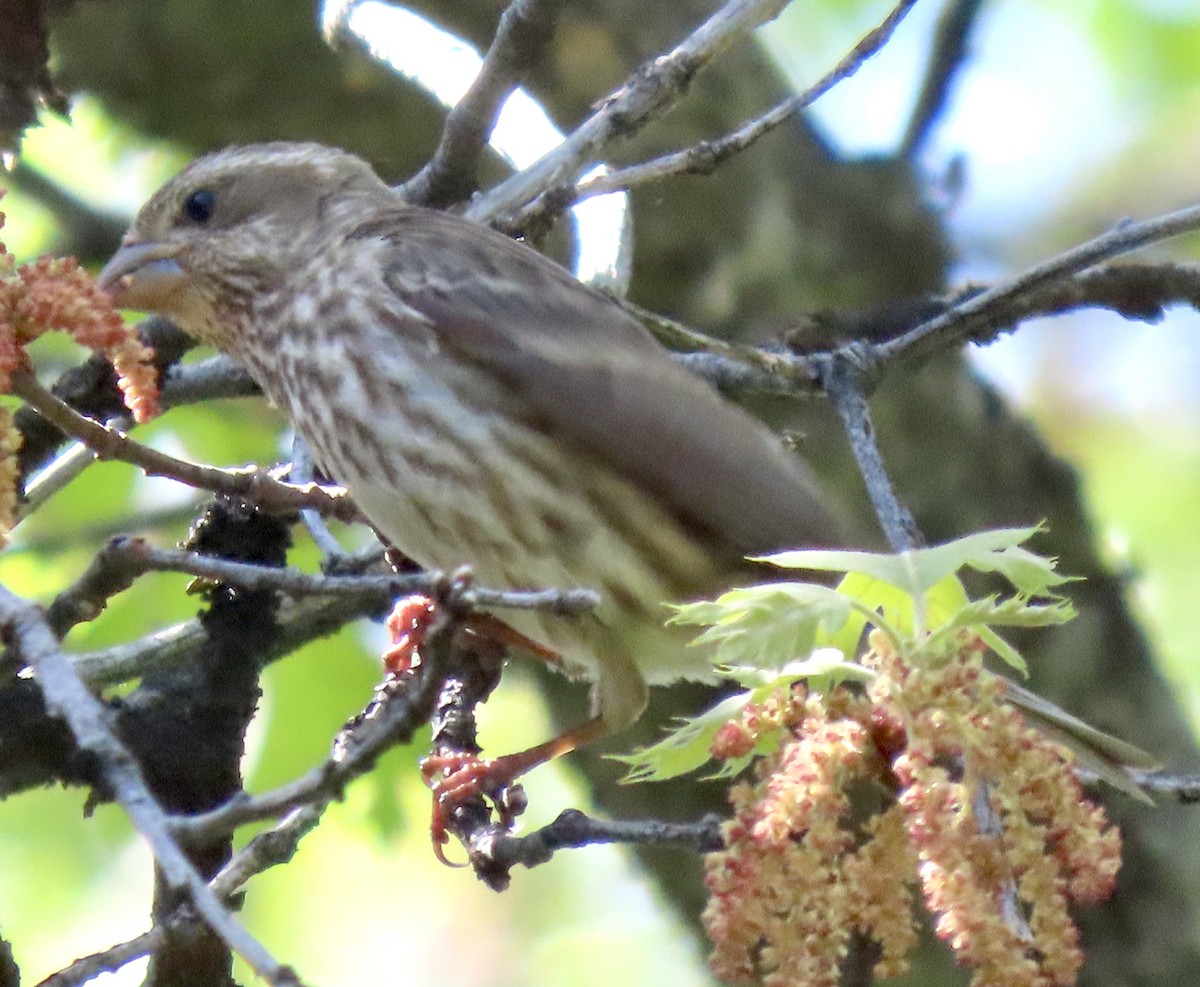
200	205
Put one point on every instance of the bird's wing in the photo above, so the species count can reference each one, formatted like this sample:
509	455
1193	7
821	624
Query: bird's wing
585	371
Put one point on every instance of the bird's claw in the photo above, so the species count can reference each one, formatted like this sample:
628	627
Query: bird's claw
455	778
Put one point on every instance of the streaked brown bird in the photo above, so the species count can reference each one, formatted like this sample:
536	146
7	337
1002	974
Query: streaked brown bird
482	406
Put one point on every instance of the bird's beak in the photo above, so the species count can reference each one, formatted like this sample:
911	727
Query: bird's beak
144	275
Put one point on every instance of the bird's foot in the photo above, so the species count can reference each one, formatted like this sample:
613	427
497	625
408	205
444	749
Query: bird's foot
407	624
412	617
460	776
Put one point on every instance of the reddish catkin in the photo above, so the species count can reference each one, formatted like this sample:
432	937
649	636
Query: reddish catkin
803	868
55	293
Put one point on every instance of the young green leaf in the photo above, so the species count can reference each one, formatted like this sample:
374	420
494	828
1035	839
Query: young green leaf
688	745
919	570
765	626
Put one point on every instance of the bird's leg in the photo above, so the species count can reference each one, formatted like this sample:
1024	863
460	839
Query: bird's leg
493	629
457	773
459	776
412	616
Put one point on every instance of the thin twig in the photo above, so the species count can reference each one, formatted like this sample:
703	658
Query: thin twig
963	320
573	829
139	556
252	484
109	573
1135	291
304	470
265	850
1185	788
648	93
57	474
400	708
216	377
991	827
298	623
67	697
705	157
842	382
89	967
123	560
947	56
522	36
269	848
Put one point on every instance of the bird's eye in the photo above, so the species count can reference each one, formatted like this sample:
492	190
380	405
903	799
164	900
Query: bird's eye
200	205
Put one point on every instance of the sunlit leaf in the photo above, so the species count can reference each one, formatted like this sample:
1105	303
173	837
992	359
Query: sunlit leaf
823	662
1006	652
765	626
1031	574
686	747
917	570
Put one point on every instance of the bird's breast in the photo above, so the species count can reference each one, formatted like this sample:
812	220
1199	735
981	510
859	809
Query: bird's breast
436	458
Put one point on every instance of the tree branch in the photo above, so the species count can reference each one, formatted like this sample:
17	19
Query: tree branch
252	484
572	829
843	383
947	56
967	318
68	698
522	36
705	157
647	94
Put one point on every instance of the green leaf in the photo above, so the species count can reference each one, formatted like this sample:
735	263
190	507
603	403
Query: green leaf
685	747
982	616
1111	759
1031	574
823	662
1008	654
918	592
688	745
765	626
769	636
878	595
919	570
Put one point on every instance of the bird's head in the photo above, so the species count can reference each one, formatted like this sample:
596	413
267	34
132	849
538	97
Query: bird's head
227	228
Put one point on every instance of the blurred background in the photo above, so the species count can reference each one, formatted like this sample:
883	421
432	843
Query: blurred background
1067	116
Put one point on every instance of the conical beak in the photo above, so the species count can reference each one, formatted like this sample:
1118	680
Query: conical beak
144	275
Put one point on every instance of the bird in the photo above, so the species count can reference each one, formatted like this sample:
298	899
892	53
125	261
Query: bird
482	406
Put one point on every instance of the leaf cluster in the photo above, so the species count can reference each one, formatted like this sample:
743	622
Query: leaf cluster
768	637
